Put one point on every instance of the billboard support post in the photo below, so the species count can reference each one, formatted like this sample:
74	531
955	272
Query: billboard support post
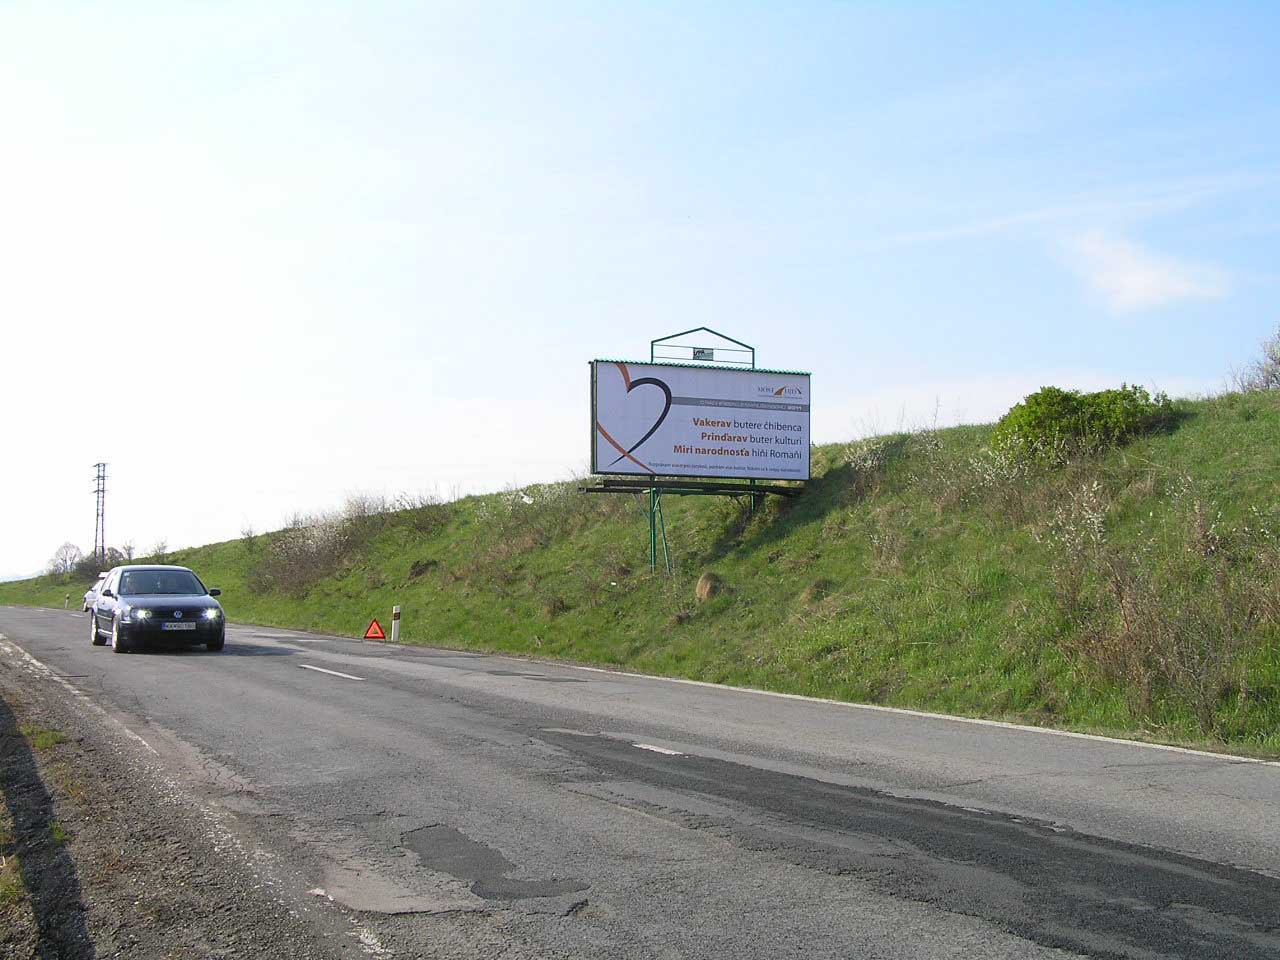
653	528
746	424
700	354
657	528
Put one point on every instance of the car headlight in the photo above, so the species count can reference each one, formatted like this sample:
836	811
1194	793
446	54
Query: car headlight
213	613
137	614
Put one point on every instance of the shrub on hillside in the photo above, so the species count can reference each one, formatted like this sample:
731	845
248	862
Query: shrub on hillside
90	565
1052	423
305	552
1263	373
311	548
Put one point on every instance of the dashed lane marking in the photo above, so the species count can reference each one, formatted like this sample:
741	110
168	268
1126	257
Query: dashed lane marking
335	673
650	746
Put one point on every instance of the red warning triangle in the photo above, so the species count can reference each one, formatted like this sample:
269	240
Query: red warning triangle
375	632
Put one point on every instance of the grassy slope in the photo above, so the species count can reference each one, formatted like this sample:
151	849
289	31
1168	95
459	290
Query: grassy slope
912	583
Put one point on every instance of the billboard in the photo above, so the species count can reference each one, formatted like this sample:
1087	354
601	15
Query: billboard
659	419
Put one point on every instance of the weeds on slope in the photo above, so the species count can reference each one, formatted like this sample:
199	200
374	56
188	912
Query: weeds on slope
314	547
1171	617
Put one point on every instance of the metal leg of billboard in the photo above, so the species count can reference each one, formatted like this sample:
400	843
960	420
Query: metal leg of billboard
657	525
755	494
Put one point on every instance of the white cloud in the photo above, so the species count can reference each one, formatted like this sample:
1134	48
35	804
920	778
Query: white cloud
1129	277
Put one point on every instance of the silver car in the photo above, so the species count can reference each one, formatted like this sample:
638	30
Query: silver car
91	595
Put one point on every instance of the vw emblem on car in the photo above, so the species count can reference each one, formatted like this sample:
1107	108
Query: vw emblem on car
177	614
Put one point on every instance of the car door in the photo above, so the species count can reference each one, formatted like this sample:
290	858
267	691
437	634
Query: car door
104	606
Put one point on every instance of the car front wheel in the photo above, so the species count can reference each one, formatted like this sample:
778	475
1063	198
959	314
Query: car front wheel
215	645
119	644
94	636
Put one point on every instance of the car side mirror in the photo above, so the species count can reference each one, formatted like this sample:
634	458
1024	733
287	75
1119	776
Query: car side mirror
215	592
107	593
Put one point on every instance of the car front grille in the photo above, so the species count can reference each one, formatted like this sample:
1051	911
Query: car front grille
167	613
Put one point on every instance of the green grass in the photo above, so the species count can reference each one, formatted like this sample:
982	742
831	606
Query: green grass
13	892
918	575
42	739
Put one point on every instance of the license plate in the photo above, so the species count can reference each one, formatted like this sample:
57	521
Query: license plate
177	626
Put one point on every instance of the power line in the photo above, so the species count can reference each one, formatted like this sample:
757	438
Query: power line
100	524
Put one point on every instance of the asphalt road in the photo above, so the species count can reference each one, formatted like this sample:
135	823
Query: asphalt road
519	809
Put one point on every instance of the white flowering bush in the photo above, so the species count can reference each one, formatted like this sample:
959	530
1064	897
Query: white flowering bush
997	467
1263	373
1079	525
868	459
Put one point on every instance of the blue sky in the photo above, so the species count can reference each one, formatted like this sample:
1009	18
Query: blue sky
387	238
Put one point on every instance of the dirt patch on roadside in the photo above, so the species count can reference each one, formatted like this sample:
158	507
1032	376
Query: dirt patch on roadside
101	859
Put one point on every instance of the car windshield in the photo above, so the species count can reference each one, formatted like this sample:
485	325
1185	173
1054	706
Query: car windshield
135	583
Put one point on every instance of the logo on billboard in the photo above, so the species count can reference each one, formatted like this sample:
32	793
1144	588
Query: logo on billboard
779	391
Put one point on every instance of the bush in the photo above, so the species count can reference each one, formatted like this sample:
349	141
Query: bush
1263	373
311	548
1052	423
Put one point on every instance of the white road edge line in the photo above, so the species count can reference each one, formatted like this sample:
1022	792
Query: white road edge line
8	646
346	676
650	746
902	711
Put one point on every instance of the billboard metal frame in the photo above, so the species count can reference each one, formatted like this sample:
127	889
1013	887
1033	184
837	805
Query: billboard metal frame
744	357
738	348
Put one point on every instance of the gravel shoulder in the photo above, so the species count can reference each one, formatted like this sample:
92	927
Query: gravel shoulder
106	857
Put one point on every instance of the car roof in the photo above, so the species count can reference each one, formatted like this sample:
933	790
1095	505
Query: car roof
153	566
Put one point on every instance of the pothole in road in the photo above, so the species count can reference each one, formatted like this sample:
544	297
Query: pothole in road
453	852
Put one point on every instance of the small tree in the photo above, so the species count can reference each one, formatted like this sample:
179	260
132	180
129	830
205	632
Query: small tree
65	558
127	549
1264	373
160	550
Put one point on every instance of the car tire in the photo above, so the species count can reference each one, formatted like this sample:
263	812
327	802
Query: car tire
95	636
119	644
213	646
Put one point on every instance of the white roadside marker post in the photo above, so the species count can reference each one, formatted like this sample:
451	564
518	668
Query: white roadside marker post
66	604
395	624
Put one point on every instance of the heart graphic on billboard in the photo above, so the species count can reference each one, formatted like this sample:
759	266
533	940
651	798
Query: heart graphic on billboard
639	412
666	408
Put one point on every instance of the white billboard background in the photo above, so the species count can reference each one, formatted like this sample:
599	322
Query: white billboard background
668	420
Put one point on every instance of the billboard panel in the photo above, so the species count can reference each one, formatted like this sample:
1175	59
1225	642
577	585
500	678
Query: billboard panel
656	419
